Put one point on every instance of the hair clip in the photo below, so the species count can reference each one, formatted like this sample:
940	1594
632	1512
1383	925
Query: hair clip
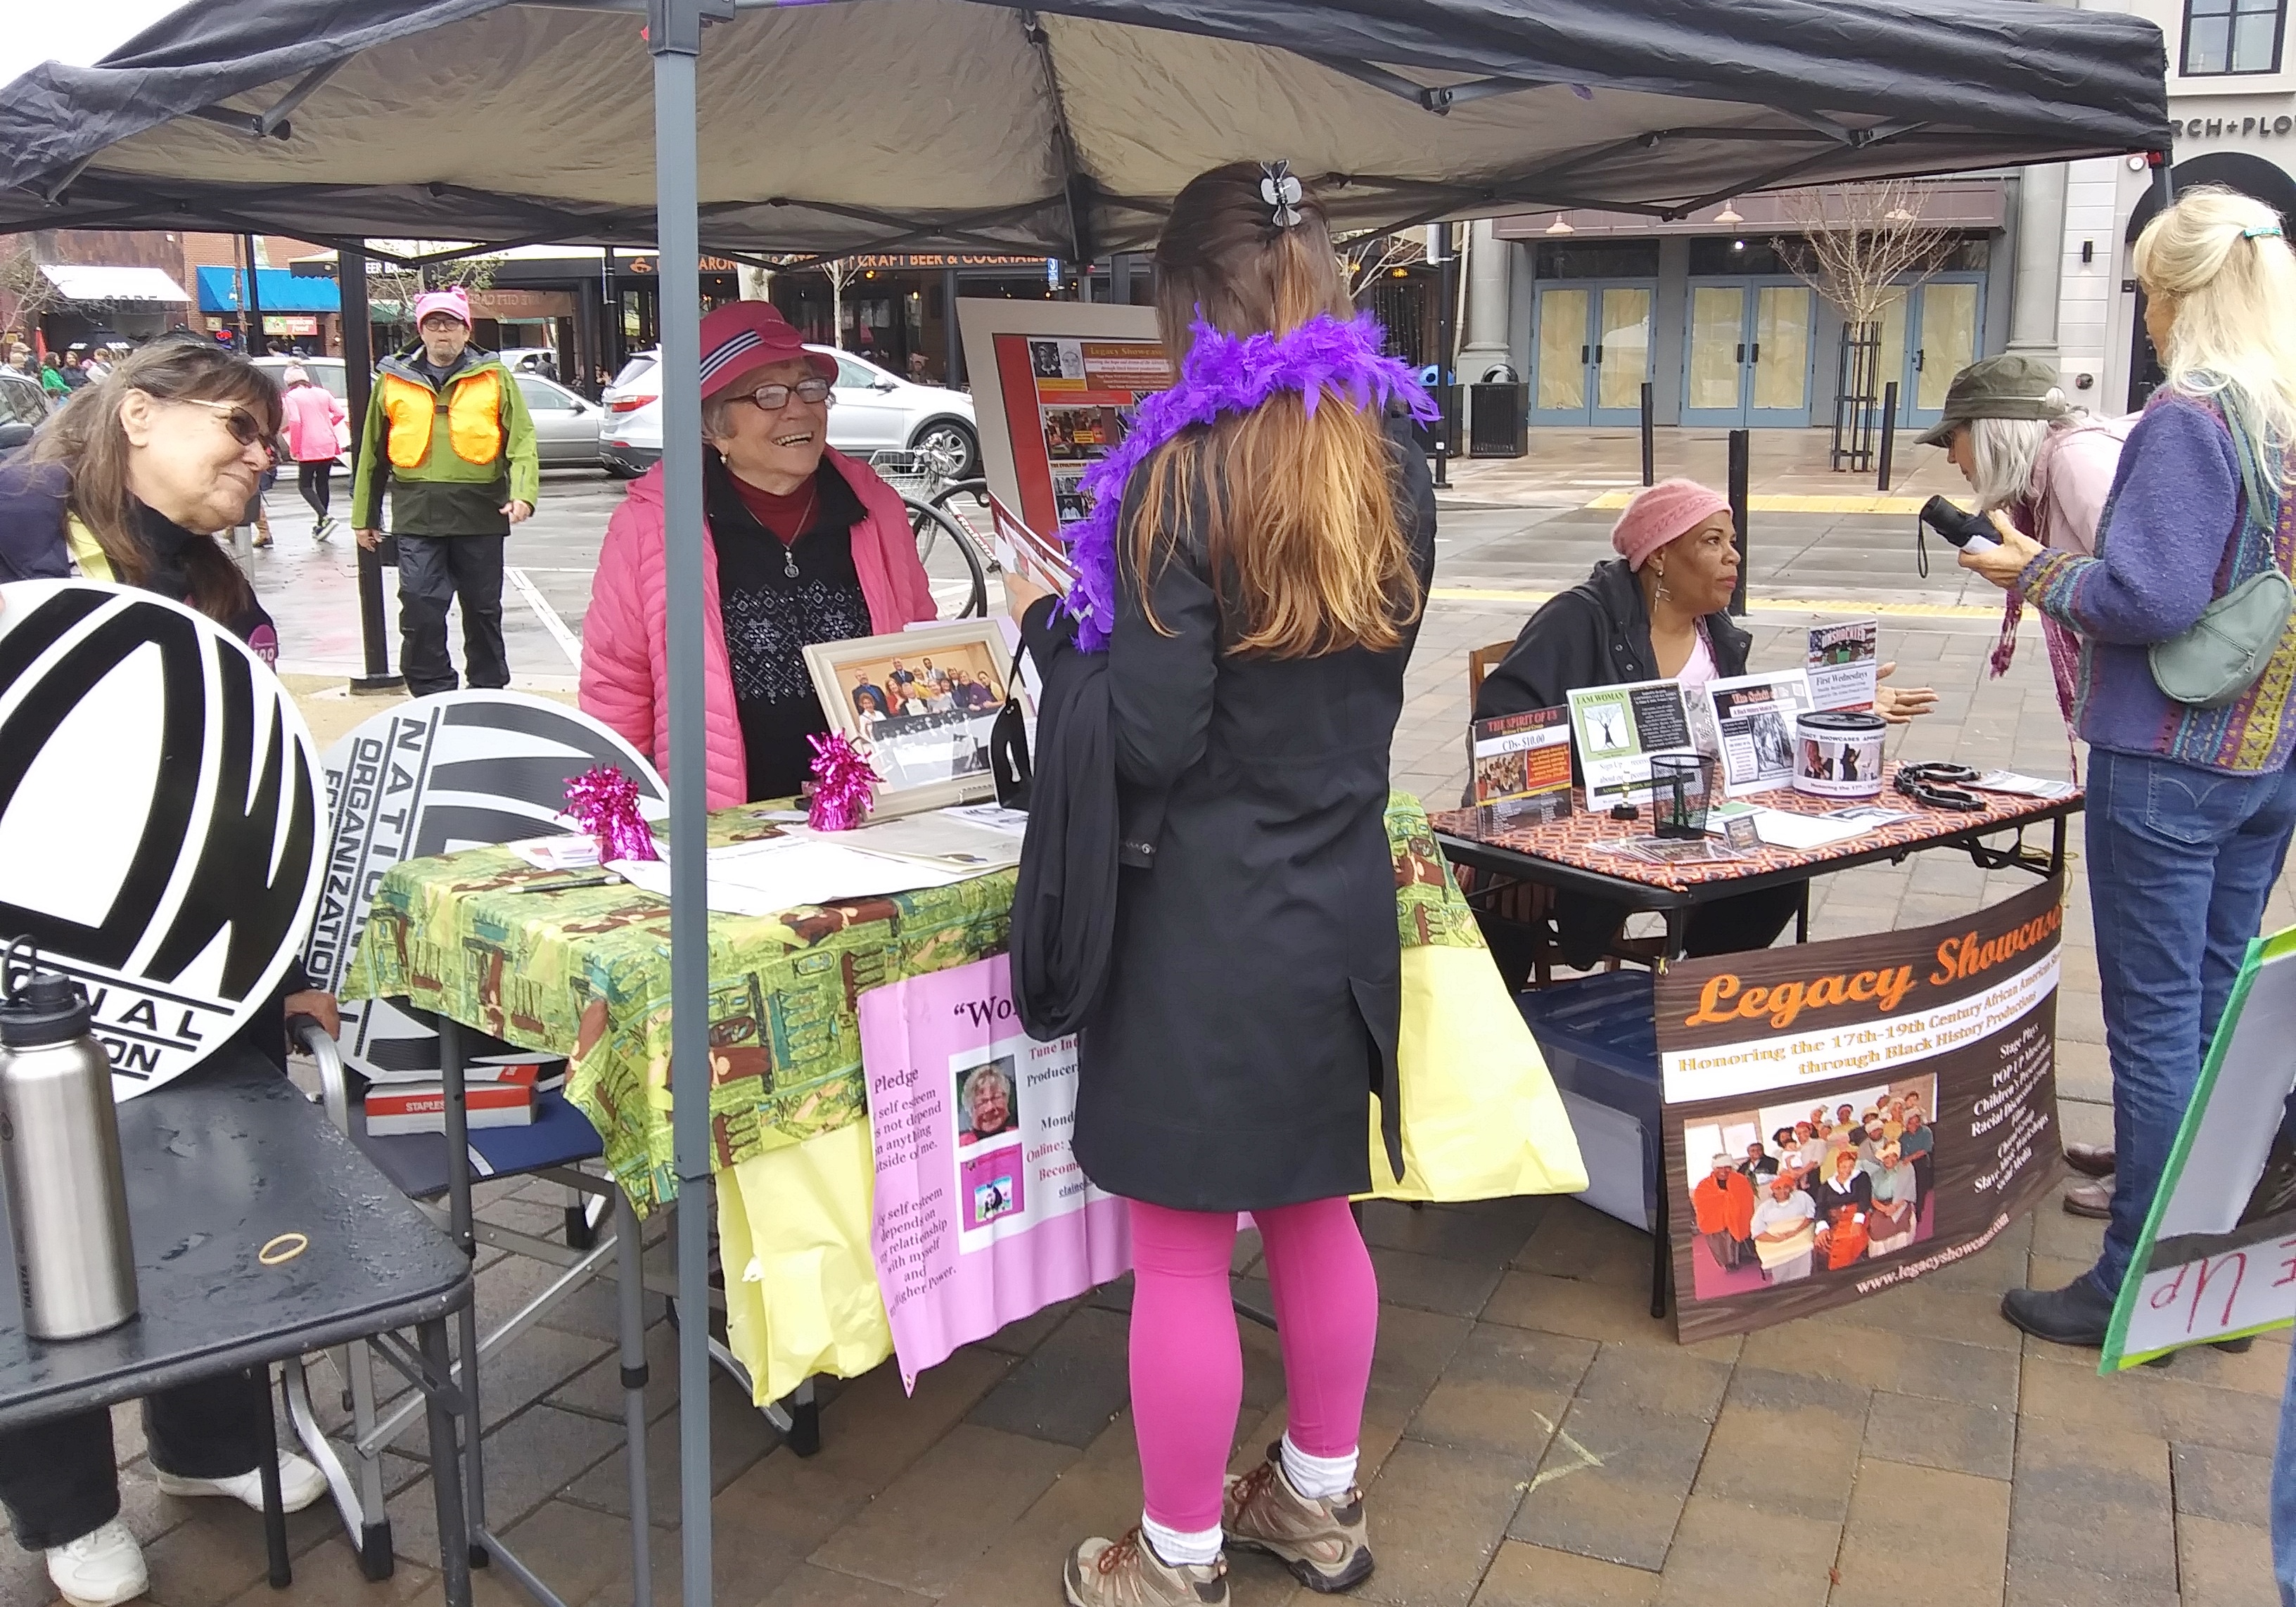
1281	191
2269	232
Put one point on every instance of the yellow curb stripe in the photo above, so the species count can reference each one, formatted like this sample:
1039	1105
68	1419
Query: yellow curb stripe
1760	605
1781	502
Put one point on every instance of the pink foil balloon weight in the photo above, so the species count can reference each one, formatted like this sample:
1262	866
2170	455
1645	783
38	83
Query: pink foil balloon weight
844	786
604	803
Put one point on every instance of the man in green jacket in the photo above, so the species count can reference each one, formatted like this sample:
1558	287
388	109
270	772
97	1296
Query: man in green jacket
448	427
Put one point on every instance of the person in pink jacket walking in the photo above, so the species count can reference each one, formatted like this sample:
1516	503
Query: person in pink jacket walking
800	545
311	414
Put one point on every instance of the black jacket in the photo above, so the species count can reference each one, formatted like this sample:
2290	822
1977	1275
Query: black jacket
1254	991
1597	634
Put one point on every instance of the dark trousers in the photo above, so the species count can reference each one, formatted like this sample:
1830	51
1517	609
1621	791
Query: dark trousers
313	480
1583	929
433	571
58	1479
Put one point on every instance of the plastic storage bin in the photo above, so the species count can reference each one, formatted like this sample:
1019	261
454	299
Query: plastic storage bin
1600	1039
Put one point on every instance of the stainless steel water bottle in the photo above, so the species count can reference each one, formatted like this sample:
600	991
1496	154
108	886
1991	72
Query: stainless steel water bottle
60	1160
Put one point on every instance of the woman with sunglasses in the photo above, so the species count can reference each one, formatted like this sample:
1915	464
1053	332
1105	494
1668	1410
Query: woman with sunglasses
130	484
800	545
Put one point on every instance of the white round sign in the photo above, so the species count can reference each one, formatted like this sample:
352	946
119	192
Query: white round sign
159	817
453	770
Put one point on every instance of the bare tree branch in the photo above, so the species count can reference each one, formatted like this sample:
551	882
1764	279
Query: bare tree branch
1367	257
29	294
403	285
1858	241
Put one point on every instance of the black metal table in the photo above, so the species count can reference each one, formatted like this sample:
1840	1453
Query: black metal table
1570	869
218	1166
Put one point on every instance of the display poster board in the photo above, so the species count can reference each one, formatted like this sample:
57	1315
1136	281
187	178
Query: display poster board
2217	1259
453	770
1054	387
1520	766
1751	724
1620	729
982	1215
1827	1064
158	818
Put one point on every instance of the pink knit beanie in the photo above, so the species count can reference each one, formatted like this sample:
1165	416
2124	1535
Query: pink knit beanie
1662	512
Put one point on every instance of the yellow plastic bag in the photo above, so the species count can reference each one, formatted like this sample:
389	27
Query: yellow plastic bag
1481	1119
800	1285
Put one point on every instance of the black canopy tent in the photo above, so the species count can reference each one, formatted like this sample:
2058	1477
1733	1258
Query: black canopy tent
834	127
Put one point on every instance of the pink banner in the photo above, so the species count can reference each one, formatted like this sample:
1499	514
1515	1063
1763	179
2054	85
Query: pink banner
982	1217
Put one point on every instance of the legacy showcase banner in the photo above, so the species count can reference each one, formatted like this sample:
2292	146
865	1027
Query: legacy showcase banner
1843	1116
451	771
158	818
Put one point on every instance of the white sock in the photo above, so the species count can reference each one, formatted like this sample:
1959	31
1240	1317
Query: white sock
1318	1478
1180	1548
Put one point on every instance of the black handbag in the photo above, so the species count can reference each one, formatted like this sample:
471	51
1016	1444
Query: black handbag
1008	743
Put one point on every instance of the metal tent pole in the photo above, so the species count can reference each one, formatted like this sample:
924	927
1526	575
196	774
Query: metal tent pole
358	386
674	39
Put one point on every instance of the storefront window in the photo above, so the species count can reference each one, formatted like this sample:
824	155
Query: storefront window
2232	35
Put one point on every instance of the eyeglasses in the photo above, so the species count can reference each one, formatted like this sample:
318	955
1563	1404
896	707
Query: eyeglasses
772	399
245	428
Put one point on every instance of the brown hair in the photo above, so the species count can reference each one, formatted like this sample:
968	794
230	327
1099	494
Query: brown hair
87	440
1306	549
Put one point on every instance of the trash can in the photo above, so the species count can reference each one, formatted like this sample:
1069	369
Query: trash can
1501	421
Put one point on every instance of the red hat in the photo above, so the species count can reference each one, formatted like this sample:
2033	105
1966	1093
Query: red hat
741	337
1661	513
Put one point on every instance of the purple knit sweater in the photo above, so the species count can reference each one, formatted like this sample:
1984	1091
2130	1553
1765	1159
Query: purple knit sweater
2167	547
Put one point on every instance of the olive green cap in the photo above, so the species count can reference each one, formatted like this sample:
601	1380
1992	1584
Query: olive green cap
2006	387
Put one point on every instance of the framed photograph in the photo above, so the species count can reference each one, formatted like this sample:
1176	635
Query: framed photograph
920	703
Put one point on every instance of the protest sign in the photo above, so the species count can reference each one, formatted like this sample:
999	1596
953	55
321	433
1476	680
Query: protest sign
158	818
1054	387
453	770
1901	1084
982	1215
1620	729
2217	1259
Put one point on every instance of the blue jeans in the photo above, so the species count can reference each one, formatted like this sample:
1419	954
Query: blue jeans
2180	862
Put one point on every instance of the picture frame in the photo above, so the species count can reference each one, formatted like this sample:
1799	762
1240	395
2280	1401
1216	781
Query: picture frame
936	692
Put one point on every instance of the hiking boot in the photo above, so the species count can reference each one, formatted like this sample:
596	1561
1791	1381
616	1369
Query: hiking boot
1323	1543
1128	1573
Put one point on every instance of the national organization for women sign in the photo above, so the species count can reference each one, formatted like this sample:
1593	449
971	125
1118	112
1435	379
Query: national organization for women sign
1843	1116
158	818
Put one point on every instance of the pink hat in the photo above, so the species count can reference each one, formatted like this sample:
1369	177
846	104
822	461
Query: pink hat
455	303
1661	513
741	337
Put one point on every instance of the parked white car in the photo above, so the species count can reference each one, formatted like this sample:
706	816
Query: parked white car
874	410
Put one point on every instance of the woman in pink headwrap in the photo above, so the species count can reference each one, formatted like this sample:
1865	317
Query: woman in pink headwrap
1657	611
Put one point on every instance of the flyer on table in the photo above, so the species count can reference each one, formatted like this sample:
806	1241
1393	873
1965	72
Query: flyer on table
1842	1117
1521	765
1751	727
1845	663
1620	729
981	1216
2217	1258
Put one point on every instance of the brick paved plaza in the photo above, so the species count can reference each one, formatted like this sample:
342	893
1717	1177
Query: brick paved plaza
1534	1439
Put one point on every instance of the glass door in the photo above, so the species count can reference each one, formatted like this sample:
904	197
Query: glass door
1622	352
1714	366
1778	355
1942	333
1563	349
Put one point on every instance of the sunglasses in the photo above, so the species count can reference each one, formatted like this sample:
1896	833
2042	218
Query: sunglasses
245	428
772	399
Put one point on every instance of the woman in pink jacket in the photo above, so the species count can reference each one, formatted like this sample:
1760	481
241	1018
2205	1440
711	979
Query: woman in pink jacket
800	545
310	414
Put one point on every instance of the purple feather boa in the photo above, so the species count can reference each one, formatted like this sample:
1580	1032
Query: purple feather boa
1227	374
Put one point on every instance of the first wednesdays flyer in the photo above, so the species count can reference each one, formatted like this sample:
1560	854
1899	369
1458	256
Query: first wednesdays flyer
982	1215
1903	1083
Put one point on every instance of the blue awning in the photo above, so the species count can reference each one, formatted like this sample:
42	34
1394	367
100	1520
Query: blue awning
278	289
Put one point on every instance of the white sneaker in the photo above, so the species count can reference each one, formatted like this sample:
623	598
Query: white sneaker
100	1569
301	1483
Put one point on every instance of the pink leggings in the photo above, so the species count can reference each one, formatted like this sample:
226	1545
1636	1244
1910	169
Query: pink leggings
1187	1364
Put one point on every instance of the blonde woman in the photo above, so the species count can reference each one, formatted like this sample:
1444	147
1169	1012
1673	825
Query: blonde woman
2189	809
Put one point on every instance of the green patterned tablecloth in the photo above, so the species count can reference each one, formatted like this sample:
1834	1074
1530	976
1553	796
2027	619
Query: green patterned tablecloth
584	973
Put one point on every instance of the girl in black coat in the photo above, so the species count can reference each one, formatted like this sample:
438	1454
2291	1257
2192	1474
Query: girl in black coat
1270	571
